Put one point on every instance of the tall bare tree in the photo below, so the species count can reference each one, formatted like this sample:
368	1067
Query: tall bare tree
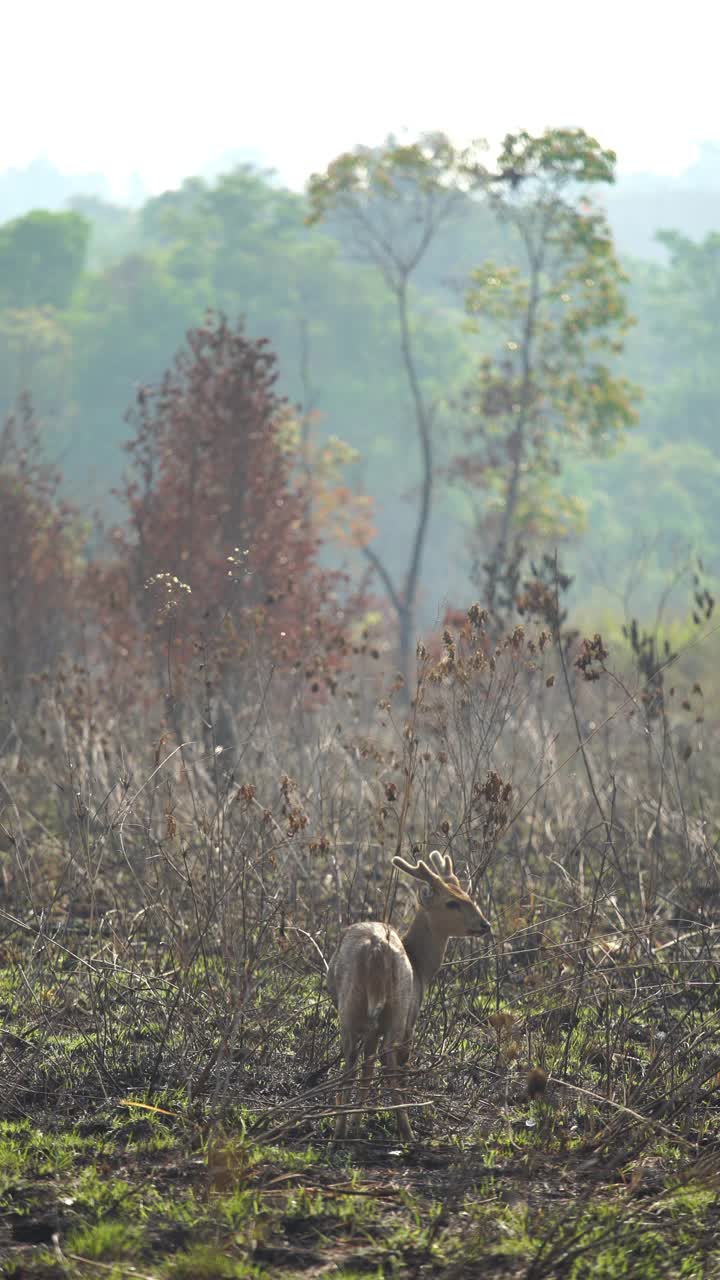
393	200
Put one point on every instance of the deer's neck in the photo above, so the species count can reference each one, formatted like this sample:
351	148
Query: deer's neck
425	950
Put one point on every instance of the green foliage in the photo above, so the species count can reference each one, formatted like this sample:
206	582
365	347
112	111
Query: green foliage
114	230
684	313
686	296
241	246
679	480
41	258
557	158
36	350
106	1240
556	318
209	1262
653	506
394	199
81	339
417	186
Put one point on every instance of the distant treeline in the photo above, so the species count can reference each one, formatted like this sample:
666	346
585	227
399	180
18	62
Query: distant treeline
94	302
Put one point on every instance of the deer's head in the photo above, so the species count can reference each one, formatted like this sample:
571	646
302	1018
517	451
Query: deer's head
452	910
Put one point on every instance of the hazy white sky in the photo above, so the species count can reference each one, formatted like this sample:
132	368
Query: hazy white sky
165	87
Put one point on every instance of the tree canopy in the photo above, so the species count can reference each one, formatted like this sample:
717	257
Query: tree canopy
94	302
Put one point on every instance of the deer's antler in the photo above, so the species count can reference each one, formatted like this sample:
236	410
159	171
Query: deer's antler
420	872
442	863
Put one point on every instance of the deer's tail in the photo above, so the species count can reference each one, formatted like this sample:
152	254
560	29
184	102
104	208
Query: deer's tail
377	978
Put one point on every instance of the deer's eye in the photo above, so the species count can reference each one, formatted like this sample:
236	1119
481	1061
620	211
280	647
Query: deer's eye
453	905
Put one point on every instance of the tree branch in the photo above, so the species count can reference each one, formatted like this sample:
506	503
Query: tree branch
387	581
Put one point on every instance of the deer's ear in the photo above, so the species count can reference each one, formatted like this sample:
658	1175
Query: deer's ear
426	893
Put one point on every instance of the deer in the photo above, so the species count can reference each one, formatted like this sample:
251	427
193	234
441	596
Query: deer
377	981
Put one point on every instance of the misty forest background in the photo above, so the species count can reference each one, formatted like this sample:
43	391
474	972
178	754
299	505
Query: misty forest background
96	297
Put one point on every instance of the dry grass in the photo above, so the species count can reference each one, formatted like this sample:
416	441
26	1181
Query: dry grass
168	898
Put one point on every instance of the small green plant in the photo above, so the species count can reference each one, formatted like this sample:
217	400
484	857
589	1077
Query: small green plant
209	1262
106	1240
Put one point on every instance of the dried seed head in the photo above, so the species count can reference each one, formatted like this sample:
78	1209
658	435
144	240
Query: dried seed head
536	1083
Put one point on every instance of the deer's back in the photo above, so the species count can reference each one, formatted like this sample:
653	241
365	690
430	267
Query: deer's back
371	981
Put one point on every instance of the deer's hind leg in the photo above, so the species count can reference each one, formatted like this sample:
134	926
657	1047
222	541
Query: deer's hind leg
395	1059
370	1048
351	1053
